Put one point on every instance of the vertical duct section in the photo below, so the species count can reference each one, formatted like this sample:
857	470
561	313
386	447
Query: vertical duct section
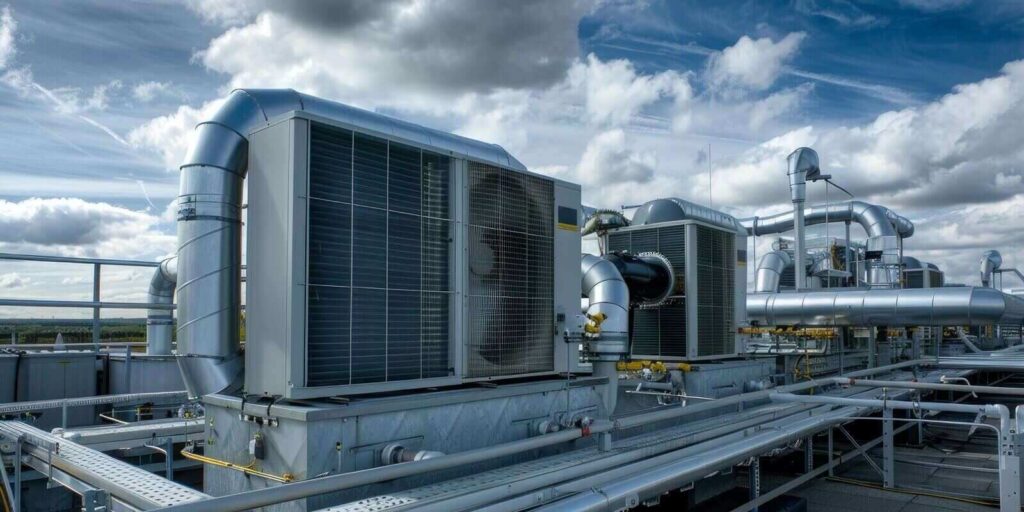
603	285
609	295
801	161
210	239
160	322
990	262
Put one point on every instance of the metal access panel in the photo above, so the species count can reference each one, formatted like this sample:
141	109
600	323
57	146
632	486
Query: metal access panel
699	321
377	263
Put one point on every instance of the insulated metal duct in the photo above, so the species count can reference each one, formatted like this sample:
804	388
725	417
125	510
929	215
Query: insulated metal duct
769	271
876	221
604	286
897	308
648	276
990	262
160	322
801	162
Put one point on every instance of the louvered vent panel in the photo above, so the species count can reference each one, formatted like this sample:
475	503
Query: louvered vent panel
379	248
661	331
510	272
716	271
914	279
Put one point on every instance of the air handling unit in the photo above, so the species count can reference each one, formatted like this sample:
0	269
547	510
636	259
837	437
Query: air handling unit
700	317
396	257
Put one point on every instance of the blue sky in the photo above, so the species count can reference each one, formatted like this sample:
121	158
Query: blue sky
915	104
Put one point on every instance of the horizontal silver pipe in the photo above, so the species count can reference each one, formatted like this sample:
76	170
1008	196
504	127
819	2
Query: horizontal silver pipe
906	307
992	410
306	488
625	493
42	405
298	490
992	390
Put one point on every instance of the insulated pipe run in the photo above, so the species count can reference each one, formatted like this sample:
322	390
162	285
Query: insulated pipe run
160	322
897	308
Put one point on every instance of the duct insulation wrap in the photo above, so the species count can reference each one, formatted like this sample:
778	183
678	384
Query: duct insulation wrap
160	322
604	286
896	308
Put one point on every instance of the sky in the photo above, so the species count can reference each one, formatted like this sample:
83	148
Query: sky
913	104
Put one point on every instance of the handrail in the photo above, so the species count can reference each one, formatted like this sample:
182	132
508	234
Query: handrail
96	304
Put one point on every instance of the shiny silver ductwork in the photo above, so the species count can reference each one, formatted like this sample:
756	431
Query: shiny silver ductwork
160	322
877	221
801	162
769	271
210	239
990	262
604	286
608	294
908	307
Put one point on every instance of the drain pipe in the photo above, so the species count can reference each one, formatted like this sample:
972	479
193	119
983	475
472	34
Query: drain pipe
160	322
801	161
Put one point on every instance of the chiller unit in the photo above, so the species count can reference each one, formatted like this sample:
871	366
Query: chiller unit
397	257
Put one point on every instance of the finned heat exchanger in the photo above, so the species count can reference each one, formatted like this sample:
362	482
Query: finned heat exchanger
700	316
387	256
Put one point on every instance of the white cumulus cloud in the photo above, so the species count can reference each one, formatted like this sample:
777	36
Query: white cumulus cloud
753	63
8	26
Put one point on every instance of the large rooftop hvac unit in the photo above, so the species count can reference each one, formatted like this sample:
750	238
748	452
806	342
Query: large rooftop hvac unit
707	250
385	256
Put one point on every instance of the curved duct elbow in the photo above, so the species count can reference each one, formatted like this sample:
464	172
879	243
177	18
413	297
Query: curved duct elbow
882	232
210	239
897	308
609	295
160	322
990	262
769	271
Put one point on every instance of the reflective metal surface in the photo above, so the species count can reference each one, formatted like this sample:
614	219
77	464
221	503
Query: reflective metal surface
908	307
674	209
160	322
990	262
608	294
769	271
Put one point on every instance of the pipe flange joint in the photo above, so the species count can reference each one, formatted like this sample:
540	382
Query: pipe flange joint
661	258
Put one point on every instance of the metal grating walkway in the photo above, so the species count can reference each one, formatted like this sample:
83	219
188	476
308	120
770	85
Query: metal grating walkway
131	484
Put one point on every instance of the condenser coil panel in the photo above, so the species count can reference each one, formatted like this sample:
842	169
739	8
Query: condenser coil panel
699	319
377	263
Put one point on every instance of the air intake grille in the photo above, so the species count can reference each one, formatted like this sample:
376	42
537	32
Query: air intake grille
511	304
716	295
913	279
658	332
378	255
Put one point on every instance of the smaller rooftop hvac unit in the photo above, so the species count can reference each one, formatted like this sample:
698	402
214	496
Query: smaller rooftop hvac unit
707	250
384	256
